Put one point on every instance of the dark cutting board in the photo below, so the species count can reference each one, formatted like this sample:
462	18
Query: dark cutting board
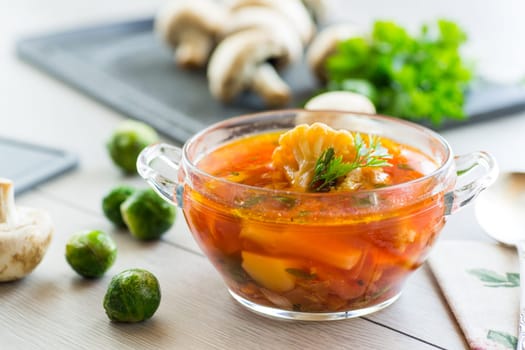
125	66
29	165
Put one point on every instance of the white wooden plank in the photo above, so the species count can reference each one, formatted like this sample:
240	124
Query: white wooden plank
54	307
416	312
422	304
40	311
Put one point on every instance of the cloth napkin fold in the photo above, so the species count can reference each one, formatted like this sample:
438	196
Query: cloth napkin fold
482	286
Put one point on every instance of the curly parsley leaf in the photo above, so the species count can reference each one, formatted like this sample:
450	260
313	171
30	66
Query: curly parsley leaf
417	78
329	168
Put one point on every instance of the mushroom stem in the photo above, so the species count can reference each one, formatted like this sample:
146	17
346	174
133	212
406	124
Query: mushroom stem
7	203
193	50
269	85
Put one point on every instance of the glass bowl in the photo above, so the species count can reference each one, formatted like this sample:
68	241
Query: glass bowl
315	256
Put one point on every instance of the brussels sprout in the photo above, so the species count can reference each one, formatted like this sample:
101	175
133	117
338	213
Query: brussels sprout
132	296
112	201
128	139
91	253
147	215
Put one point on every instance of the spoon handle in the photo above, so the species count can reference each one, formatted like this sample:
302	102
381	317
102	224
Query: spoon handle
521	327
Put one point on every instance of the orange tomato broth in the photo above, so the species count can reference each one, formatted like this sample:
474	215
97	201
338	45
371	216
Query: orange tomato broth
299	255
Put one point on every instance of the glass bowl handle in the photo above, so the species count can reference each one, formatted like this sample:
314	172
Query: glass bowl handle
475	172
159	164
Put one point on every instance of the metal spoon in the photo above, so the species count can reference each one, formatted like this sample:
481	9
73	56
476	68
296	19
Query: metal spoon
500	211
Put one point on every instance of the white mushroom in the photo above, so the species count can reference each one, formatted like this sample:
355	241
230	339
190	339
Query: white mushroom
266	19
294	11
338	106
25	234
243	61
341	101
317	9
325	44
190	27
355	179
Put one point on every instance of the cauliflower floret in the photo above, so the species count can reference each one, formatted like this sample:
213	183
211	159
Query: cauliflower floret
300	148
320	159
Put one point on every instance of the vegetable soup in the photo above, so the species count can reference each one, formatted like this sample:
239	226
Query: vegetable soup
344	249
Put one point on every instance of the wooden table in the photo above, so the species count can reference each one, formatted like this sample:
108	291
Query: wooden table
54	308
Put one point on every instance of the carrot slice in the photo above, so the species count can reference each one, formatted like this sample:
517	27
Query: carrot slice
303	242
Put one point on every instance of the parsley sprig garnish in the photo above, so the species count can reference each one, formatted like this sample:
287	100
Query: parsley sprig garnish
329	168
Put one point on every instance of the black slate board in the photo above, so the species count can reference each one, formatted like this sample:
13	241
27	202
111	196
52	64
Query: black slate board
28	165
126	67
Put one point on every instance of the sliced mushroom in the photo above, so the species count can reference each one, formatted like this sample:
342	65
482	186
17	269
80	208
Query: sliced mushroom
325	44
25	234
293	10
190	27
341	101
243	61
338	106
372	176
266	19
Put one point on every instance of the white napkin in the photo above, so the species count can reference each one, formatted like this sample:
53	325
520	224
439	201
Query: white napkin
481	284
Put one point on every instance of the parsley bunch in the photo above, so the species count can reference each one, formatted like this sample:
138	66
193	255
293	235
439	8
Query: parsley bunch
417	78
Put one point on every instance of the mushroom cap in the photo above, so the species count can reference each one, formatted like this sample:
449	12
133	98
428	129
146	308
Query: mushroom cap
293	10
269	20
325	44
317	8
235	60
341	101
22	247
338	107
177	17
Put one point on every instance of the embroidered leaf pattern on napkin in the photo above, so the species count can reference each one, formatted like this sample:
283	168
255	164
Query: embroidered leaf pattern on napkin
494	279
505	339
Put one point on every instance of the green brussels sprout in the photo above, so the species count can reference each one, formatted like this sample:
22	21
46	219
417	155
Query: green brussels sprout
128	139
147	215
112	201
91	253
132	296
